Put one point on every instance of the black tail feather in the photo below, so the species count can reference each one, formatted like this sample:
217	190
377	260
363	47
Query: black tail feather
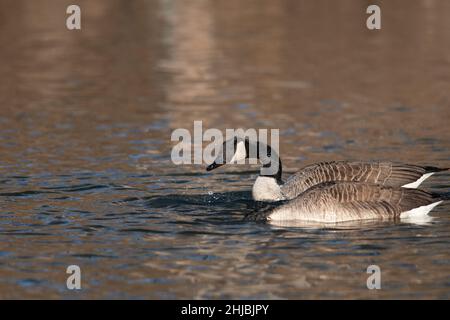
440	196
429	169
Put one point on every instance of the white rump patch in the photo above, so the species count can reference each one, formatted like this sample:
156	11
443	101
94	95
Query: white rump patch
419	212
414	185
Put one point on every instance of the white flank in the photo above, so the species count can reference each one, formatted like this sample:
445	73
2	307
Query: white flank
415	184
419	212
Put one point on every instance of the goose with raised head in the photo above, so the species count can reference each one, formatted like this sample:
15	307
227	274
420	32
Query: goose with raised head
270	187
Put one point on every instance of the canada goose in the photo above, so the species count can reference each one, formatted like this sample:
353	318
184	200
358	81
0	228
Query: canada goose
334	202
270	187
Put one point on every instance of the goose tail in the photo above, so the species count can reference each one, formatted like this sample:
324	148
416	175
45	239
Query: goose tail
424	209
429	171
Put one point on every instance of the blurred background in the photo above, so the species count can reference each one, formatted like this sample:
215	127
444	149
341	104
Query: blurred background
85	124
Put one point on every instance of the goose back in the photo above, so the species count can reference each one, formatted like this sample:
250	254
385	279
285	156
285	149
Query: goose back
377	172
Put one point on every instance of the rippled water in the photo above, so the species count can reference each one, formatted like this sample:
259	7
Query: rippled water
85	124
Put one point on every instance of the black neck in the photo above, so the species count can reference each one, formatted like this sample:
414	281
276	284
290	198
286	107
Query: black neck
277	175
271	156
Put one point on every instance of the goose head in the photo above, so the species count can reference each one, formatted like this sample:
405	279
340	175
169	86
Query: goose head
234	150
267	186
237	150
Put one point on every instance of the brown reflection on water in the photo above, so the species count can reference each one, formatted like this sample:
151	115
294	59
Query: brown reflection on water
85	123
65	85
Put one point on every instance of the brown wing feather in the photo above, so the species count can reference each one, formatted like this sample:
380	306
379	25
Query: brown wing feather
383	173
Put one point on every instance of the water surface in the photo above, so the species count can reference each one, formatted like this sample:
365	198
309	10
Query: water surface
85	124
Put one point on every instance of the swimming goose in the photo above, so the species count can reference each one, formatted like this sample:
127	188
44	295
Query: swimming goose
270	187
334	202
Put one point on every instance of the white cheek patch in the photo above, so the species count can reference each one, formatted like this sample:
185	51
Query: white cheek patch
240	154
